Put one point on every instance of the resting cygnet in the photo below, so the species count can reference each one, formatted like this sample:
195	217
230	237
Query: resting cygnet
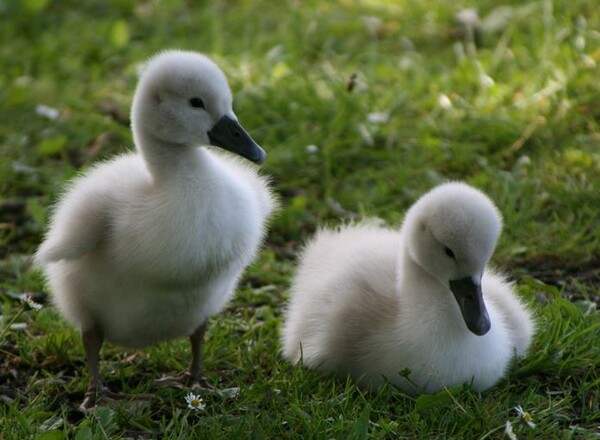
417	307
147	246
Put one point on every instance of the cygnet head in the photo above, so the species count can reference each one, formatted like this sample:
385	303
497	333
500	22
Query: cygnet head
451	232
183	100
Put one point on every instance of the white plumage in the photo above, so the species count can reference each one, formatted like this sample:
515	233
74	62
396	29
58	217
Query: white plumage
376	303
147	246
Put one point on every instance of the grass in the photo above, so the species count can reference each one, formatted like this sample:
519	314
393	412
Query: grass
516	115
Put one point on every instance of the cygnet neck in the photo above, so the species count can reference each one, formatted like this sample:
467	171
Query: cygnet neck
164	160
411	273
424	295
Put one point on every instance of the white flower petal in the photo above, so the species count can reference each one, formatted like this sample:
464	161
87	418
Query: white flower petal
486	80
378	118
373	24
468	17
508	431
47	112
444	102
312	149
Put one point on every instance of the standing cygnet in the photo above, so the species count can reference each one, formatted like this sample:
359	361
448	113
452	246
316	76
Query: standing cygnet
147	246
417	307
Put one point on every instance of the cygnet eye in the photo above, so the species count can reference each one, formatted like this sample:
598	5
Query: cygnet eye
449	253
196	103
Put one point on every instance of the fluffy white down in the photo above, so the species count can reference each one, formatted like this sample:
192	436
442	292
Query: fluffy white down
361	305
148	245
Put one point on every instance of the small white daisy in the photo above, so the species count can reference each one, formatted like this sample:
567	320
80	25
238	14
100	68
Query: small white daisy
195	402
525	416
444	102
468	17
26	298
378	117
47	112
312	149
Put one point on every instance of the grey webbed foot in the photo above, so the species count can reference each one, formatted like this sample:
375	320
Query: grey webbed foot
185	380
98	397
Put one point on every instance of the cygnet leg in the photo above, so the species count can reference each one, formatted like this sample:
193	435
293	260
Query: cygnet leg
97	393
197	379
194	377
92	342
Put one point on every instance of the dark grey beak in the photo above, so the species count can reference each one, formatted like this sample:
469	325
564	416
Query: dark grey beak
470	300
227	133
